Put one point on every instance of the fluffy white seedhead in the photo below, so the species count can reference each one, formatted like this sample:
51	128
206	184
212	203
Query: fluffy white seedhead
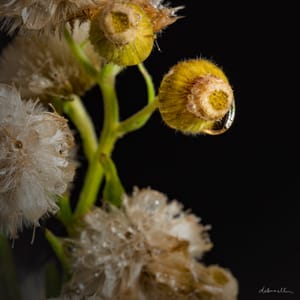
43	15
144	251
43	66
35	163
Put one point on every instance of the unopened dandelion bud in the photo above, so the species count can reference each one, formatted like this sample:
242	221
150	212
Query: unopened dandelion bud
122	33
195	96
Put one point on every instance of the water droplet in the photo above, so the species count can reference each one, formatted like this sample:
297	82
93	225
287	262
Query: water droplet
151	205
224	124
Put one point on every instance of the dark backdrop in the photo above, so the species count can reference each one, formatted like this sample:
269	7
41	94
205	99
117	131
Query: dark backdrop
245	183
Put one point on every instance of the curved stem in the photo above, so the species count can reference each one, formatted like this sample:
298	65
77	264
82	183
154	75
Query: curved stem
81	119
148	81
80	55
57	247
140	118
137	120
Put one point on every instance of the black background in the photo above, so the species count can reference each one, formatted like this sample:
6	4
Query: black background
245	183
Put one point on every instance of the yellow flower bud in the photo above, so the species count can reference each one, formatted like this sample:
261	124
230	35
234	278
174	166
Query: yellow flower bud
196	97
122	33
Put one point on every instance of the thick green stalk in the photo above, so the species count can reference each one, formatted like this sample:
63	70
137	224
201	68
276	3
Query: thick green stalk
112	129
111	107
65	213
81	119
108	137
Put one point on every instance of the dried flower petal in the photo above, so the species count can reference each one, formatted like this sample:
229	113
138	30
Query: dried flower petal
53	15
34	161
145	251
43	66
46	15
161	15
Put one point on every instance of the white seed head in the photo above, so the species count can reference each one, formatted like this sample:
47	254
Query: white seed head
35	163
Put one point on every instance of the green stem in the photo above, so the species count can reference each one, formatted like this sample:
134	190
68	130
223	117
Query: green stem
148	81
81	119
65	212
140	118
137	120
108	137
57	247
113	190
80	55
111	107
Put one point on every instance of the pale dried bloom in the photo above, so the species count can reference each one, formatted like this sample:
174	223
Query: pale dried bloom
35	164
144	251
46	15
53	15
43	66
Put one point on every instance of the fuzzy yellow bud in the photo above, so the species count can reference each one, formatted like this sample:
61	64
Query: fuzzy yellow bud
122	33
196	97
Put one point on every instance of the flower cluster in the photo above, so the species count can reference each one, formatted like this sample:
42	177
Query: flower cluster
35	161
122	31
147	250
132	247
